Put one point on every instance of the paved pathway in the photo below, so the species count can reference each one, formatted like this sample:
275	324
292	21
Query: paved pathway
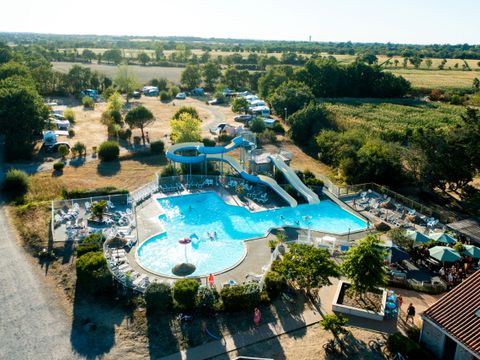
32	326
242	339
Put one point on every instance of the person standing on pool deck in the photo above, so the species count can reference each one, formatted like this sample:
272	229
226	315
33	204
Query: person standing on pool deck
411	313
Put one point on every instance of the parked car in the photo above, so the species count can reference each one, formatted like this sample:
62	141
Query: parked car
218	129
54	147
181	96
136	95
214	102
243	118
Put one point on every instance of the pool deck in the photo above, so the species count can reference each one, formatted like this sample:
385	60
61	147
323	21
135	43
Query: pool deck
258	253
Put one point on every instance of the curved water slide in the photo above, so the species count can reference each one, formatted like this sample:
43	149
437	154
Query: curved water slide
216	153
294	180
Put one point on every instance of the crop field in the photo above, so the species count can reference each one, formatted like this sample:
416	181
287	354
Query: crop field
144	73
439	79
392	117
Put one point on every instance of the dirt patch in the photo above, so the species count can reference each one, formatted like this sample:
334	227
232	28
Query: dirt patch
368	301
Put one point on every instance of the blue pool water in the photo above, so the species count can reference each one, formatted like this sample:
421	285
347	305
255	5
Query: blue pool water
207	212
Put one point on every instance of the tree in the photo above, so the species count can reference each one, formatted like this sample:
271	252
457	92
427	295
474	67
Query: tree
290	97
108	151
143	58
235	79
139	117
191	76
92	272
88	55
113	56
185	293
396	61
442	64
186	109
115	103
211	73
185	129
126	80
239	105
308	266
334	323
476	84
16	183
99	208
258	125
364	265
368	58
307	123
400	238
429	63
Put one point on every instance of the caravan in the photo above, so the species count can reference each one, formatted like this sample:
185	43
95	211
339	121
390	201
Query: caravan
260	110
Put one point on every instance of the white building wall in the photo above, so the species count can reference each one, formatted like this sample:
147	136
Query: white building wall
433	338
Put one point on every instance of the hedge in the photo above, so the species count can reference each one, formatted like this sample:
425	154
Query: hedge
108	151
58	166
92	271
157	147
158	297
185	294
240	297
207	298
275	283
104	191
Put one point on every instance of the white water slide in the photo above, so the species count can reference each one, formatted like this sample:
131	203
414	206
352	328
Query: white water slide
294	180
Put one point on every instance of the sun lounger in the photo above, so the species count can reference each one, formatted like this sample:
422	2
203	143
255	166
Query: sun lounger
139	280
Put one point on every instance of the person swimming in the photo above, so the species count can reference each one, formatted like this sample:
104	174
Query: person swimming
297	222
190	207
215	234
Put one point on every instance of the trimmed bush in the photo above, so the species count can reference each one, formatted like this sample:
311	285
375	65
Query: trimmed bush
257	125
275	283
88	102
16	183
185	294
92	271
71	132
158	297
186	110
80	148
240	297
206	299
157	147
96	239
165	96
208	142
108	151
69	114
224	138
83	249
63	150
58	166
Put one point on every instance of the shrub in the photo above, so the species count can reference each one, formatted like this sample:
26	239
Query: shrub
174	90
168	171
58	166
188	110
257	125
278	128
240	297
69	114
224	138
83	249
116	116
71	132
125	134
185	293
208	142
274	284
80	148
81	194
397	343
158	297
206	299
88	102
63	150
267	137
113	129
157	147
165	96
96	239
92	271
334	323
108	92
108	151
16	183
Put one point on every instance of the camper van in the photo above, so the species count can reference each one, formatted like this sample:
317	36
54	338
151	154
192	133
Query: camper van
150	91
92	93
260	110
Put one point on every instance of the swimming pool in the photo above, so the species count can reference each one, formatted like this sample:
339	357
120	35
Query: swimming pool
206	215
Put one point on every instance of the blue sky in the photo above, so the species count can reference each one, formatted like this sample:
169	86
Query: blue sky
400	21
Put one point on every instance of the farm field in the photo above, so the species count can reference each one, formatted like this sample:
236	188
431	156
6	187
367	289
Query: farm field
144	73
392	117
439	79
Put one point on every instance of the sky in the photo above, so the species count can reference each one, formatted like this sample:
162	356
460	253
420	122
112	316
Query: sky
399	21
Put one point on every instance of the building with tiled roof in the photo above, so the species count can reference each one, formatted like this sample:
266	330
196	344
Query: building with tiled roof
451	326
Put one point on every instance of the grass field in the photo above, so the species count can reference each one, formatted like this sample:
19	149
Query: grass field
439	79
144	73
383	116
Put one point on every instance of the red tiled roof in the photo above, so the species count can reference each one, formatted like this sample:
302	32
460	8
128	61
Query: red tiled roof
455	312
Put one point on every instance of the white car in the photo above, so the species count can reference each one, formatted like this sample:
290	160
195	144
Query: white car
218	129
181	96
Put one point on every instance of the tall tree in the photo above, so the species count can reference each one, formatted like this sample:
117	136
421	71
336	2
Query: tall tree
211	74
364	265
126	80
239	105
191	77
290	97
139	117
185	129
143	58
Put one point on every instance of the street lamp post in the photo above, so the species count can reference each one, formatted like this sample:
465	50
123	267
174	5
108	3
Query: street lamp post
285	114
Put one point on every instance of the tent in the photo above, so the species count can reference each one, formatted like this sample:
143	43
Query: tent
417	237
443	238
472	250
444	254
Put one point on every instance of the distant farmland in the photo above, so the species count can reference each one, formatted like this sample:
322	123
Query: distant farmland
144	73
